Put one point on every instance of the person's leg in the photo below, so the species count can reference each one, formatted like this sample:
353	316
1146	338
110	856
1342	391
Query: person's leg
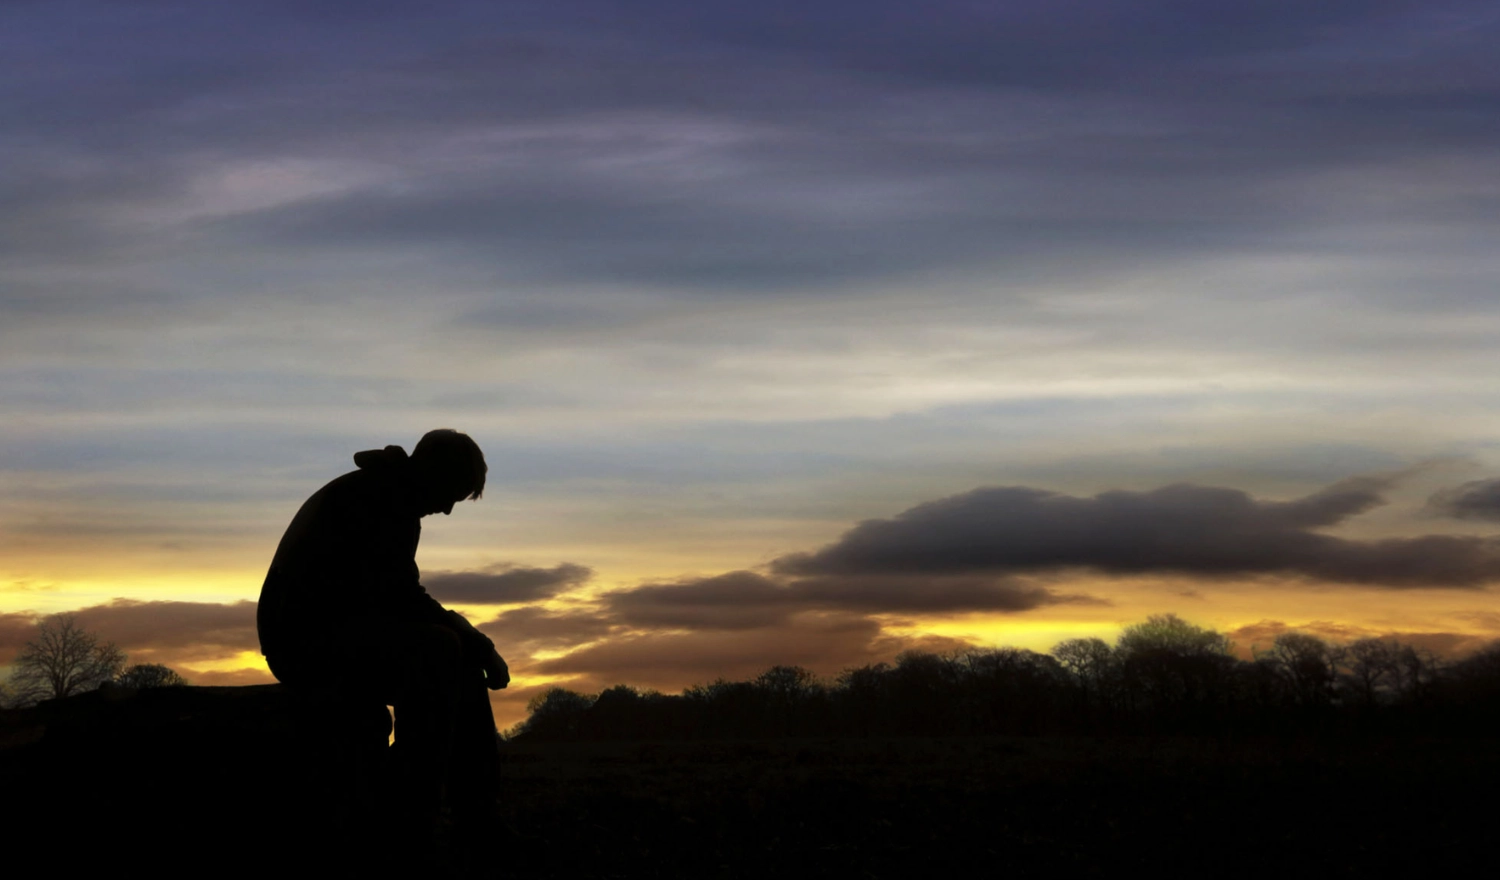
473	771
444	727
413	667
418	666
475	766
446	745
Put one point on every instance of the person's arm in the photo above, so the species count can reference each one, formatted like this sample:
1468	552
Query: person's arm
480	650
398	546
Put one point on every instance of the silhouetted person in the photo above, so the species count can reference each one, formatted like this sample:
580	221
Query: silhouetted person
343	615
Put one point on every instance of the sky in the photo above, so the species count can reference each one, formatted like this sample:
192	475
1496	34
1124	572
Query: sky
792	333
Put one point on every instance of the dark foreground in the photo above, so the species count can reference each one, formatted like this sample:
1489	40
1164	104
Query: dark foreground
235	793
1036	807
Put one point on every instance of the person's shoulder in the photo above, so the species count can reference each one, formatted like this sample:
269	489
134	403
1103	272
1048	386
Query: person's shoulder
378	486
378	492
356	488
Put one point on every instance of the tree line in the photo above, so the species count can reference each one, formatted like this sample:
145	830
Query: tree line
1161	675
64	659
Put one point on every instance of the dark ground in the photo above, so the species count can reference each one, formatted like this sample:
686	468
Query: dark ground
1033	806
161	784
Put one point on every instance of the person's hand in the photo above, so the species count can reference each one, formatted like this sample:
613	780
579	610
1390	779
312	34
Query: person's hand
478	647
496	673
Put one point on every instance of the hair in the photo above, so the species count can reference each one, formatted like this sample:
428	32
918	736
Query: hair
456	456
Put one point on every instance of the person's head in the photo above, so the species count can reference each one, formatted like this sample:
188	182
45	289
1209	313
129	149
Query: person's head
451	468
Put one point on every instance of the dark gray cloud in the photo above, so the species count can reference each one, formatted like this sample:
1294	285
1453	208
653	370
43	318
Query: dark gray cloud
1181	529
503	584
718	147
744	600
733	601
1334	504
1477	499
1029	44
931	594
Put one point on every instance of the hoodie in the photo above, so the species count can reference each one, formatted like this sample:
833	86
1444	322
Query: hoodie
349	553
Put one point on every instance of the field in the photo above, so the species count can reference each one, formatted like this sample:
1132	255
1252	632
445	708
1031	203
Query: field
1020	806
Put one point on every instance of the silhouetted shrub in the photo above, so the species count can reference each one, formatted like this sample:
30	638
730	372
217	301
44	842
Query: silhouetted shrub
556	714
149	675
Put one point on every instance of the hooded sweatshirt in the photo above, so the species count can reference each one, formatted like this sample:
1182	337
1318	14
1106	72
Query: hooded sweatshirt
350	553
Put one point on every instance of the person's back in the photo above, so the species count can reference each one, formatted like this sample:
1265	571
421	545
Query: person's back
349	553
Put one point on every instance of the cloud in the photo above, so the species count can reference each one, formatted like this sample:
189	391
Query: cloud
1182	529
979	552
708	147
1334	504
16	629
825	643
504	583
1032	45
1262	635
741	600
152	632
538	629
670	634
734	601
1477	499
936	594
145	626
533	170
176	634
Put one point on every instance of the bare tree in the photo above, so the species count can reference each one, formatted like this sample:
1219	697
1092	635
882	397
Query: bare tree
1417	672
1091	663
63	659
1308	666
1088	660
1374	667
787	683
